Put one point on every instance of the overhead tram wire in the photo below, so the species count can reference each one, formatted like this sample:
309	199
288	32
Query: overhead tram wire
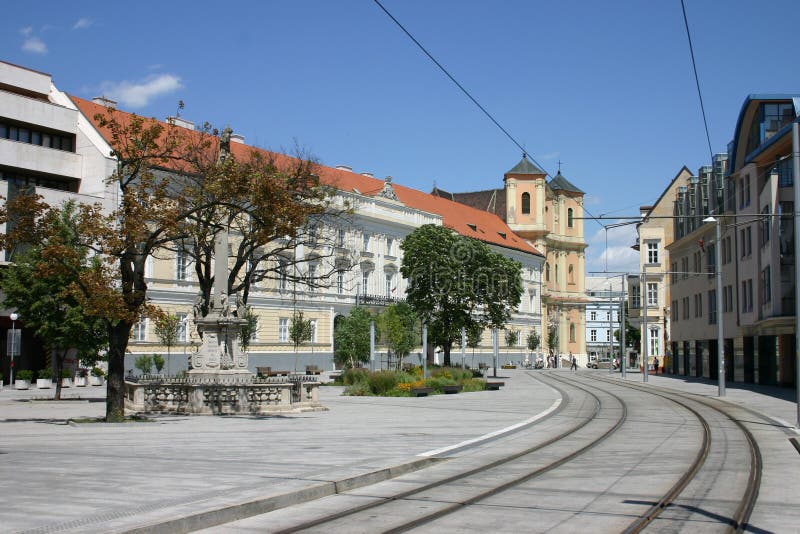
461	87
697	79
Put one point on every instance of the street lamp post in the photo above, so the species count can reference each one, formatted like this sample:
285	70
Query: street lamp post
643	296
622	330
610	328
14	317
720	338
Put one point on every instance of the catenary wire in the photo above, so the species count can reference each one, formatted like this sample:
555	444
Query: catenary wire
461	87
697	79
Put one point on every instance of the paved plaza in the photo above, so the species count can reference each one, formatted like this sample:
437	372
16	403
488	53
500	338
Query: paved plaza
58	475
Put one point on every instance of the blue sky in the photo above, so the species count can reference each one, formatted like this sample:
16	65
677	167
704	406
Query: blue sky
605	87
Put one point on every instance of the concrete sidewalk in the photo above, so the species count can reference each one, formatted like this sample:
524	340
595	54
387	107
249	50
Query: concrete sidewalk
60	476
109	477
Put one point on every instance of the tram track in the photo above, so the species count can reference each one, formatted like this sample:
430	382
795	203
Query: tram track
486	468
739	519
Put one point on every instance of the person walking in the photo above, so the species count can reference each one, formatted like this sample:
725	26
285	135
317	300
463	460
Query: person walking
655	365
574	366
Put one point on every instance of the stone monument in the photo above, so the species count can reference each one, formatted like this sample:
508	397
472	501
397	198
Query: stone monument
220	357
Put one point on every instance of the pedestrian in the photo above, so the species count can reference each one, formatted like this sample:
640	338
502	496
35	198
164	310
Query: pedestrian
655	365
574	366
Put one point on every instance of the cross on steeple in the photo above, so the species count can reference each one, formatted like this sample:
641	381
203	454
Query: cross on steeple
559	166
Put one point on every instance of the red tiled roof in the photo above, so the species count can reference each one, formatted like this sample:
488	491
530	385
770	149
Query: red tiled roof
467	221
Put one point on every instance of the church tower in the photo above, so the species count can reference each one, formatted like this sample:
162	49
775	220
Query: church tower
549	215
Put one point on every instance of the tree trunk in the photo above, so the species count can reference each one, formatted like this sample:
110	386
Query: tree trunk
59	368
446	348
115	387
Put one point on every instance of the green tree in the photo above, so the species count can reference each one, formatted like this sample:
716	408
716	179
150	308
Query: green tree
533	341
167	328
300	332
512	338
173	190
158	362
144	363
352	338
552	339
398	327
38	284
249	328
455	281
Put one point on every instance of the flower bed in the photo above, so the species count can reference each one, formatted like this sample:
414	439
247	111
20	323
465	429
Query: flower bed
361	382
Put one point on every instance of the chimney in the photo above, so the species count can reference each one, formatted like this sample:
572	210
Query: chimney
105	102
180	121
344	168
368	174
237	138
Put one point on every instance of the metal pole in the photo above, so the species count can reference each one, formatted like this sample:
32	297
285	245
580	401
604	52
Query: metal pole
643	294
720	337
13	347
610	329
424	350
494	349
463	348
622	330
796	188
372	345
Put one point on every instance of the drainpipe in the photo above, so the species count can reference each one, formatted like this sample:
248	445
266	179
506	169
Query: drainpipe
796	190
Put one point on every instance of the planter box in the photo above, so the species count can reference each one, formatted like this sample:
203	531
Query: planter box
97	380
81	381
44	383
22	384
66	382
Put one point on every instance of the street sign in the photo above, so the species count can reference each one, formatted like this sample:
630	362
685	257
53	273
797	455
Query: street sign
13	341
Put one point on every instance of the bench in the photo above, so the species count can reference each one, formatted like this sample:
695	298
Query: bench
420	392
452	389
494	386
263	372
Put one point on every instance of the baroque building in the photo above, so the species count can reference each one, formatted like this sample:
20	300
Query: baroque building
59	151
549	216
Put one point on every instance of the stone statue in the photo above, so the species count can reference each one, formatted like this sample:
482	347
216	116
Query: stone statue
197	308
225	144
223	304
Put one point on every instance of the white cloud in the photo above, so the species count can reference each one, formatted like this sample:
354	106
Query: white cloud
617	256
82	23
139	94
34	45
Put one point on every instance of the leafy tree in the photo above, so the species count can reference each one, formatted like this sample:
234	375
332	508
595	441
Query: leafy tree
249	328
158	361
398	326
512	337
552	339
352	338
173	191
41	291
144	363
533	341
300	331
455	281
167	328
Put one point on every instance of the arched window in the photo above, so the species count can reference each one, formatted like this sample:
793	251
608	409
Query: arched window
571	275
526	203
547	272
569	217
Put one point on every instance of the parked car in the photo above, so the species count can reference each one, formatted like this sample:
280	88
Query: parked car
602	363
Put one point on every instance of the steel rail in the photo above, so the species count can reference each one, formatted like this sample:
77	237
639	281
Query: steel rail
739	521
453	478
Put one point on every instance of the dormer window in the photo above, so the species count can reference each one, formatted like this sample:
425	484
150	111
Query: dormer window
502	234
473	227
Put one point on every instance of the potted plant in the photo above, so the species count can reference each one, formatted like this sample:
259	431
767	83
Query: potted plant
44	378
97	377
82	377
66	378
23	379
